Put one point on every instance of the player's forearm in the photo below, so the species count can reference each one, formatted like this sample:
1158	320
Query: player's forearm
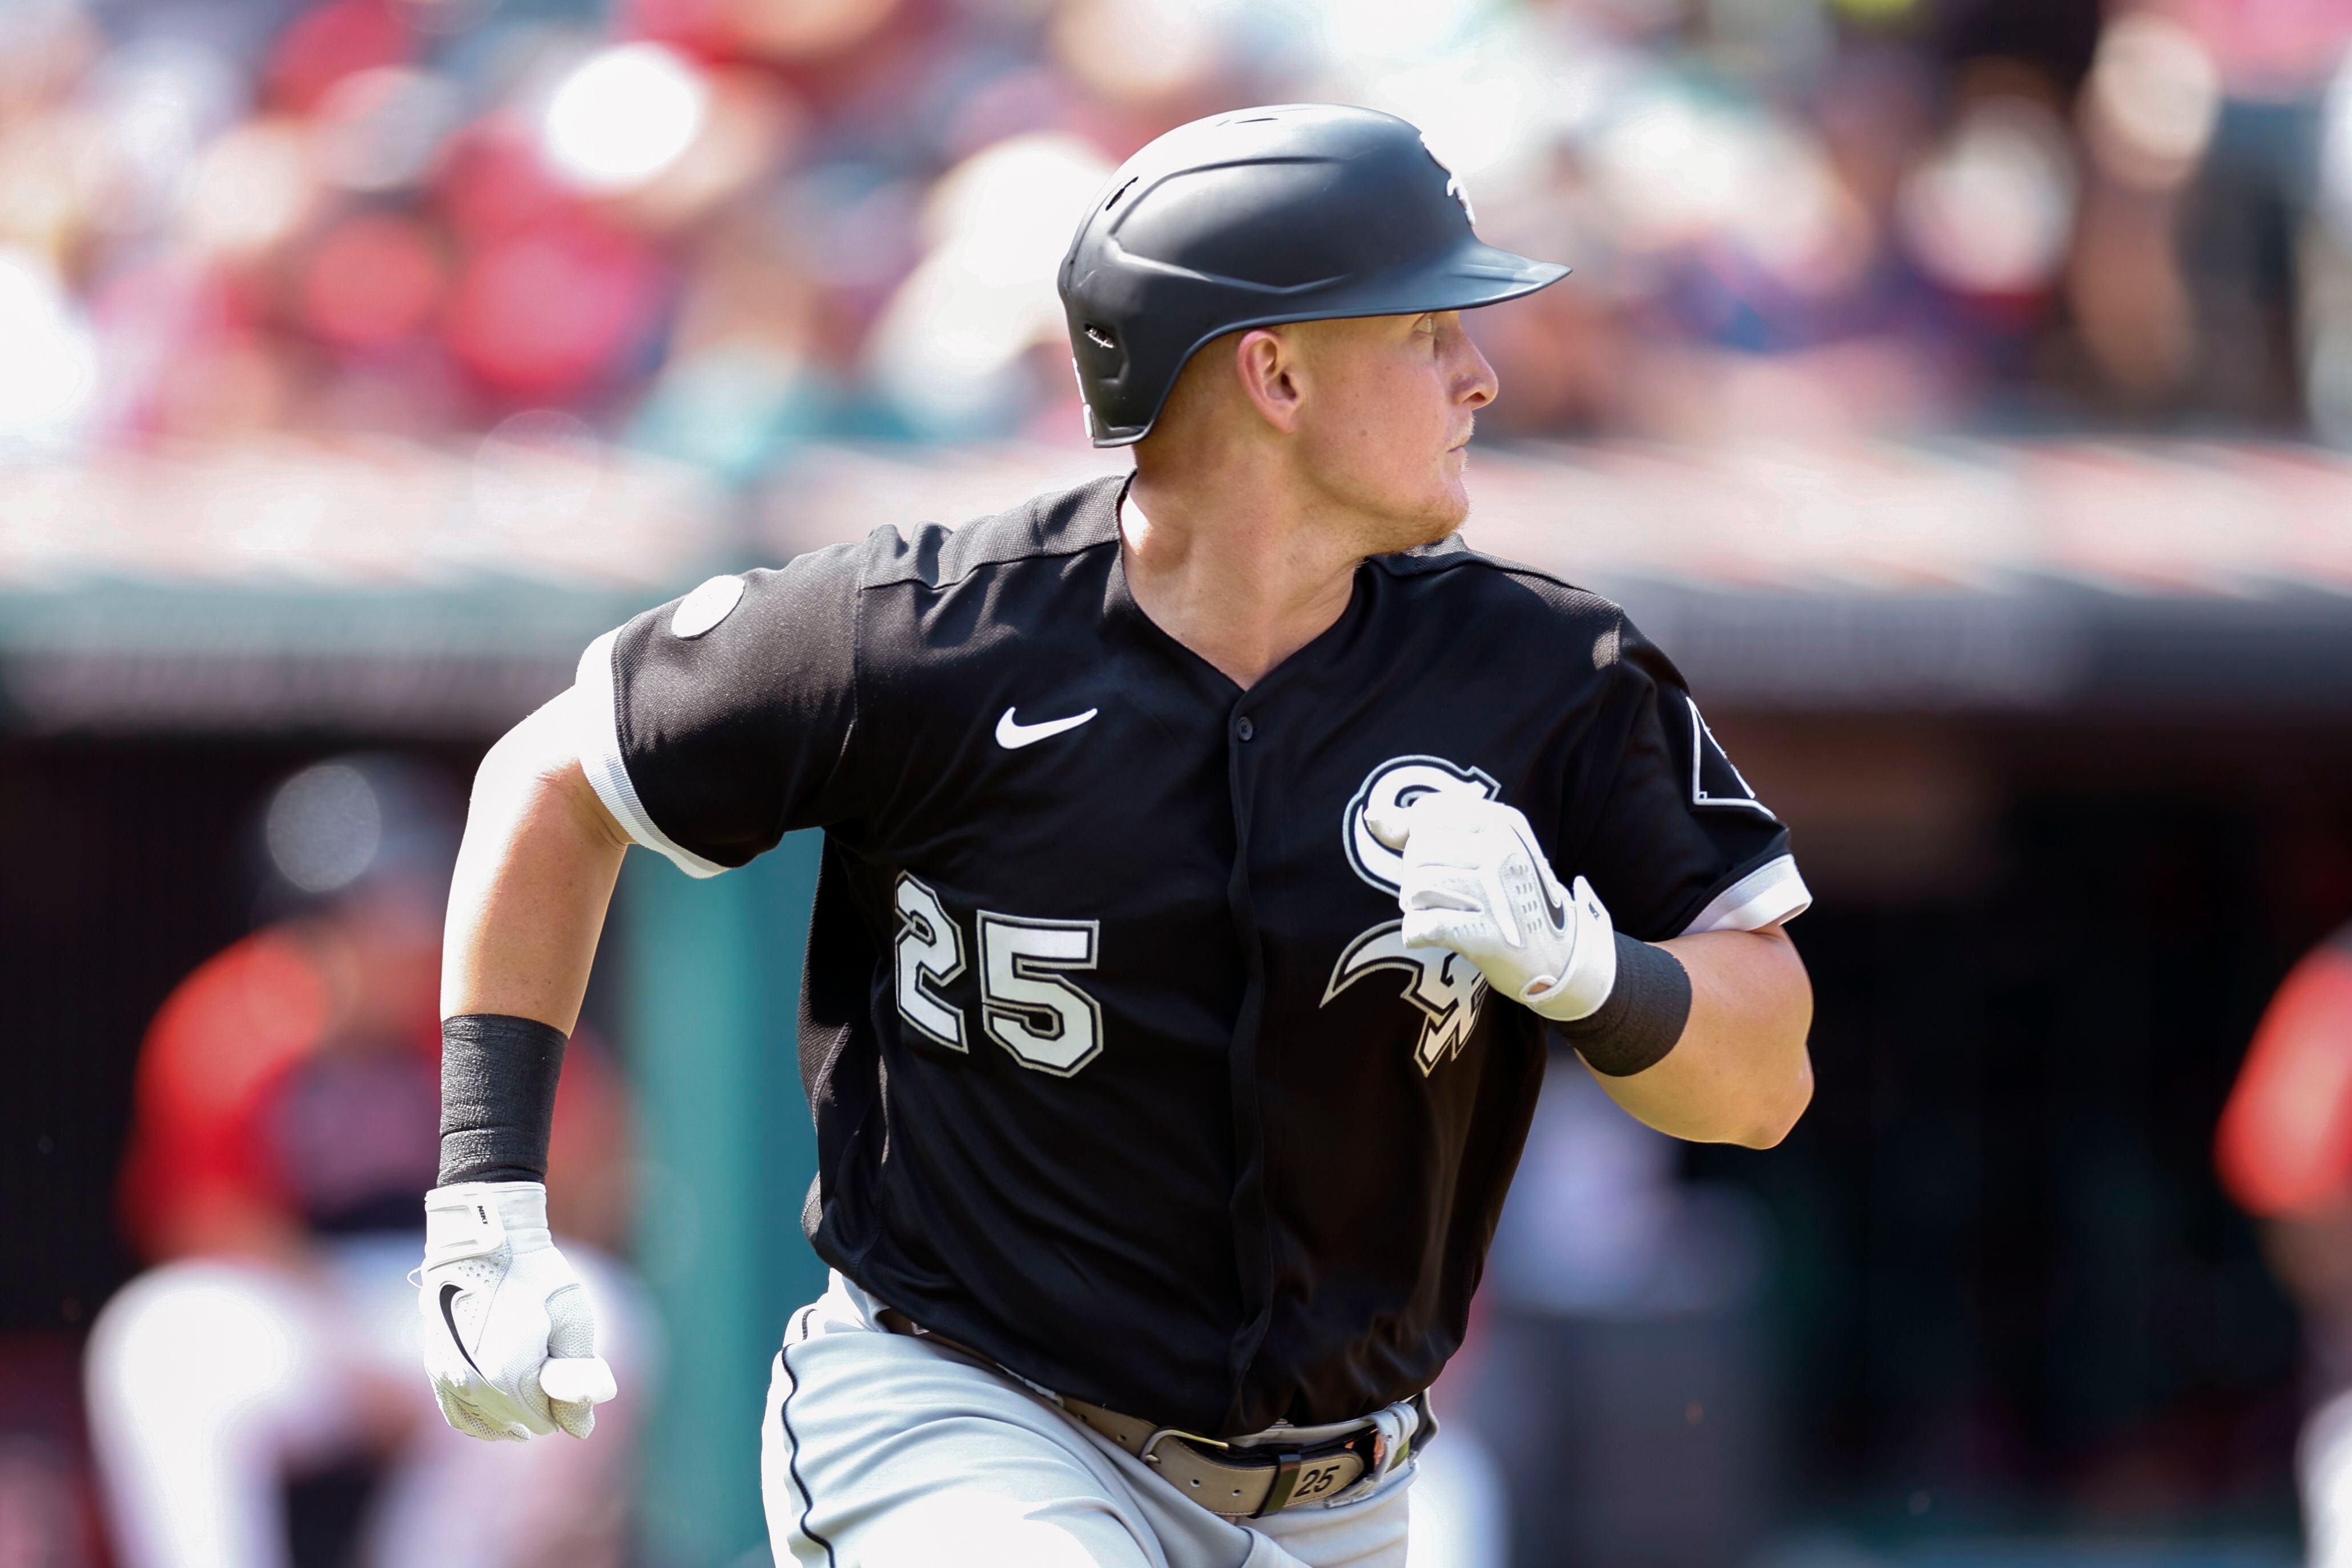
534	875
1739	1073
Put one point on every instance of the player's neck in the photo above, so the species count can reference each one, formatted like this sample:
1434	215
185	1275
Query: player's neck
1244	586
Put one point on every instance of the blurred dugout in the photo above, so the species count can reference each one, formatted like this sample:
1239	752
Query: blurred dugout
285	1122
2013	698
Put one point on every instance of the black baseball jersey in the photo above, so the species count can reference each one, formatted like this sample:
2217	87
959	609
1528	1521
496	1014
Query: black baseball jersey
1120	1072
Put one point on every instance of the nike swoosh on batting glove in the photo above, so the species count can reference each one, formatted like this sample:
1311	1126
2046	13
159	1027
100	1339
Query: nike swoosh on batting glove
1475	881
509	1339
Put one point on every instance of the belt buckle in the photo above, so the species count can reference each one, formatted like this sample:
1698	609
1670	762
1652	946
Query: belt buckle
1145	1450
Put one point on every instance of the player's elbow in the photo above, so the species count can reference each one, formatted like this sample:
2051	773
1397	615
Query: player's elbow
1773	1114
1783	1020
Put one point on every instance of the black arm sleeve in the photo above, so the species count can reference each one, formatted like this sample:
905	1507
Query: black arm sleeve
1643	1019
498	1097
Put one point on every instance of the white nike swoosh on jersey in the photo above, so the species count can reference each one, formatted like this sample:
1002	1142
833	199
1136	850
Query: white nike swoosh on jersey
1013	736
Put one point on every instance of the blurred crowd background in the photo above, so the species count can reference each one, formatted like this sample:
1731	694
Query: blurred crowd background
1961	389
715	230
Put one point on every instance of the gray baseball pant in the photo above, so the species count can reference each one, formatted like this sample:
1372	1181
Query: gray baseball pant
883	1450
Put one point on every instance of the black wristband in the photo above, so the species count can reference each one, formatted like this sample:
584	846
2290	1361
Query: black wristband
498	1097
1643	1016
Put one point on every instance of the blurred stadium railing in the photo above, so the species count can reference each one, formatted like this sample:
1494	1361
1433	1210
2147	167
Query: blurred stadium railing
408	591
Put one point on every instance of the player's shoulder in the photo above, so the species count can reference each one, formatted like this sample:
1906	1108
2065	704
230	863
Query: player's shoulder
1454	584
1043	529
1452	572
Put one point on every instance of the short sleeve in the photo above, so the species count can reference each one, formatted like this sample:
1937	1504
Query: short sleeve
713	725
1674	842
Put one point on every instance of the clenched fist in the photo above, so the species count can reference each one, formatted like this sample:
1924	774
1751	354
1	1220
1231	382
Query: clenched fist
1476	880
509	1341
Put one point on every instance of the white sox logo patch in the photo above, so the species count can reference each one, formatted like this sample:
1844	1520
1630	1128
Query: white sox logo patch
1447	988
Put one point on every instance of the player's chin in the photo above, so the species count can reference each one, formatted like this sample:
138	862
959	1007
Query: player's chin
1450	496
1430	523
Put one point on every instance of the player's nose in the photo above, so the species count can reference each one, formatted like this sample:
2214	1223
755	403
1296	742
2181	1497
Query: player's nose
1476	384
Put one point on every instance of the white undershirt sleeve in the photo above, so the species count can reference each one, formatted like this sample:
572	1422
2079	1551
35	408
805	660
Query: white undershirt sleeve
596	723
1770	893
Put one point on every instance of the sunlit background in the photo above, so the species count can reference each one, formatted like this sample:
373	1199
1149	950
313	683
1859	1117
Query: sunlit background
715	231
1960	389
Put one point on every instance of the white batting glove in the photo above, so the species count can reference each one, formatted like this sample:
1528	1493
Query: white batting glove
509	1341
1476	880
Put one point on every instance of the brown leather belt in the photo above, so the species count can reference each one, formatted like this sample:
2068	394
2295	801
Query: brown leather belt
1226	1478
1267	1475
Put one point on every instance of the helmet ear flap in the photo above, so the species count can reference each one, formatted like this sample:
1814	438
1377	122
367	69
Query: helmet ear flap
1105	351
1099	359
1086	402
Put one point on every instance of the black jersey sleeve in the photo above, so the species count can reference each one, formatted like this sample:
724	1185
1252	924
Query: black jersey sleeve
1670	835
713	725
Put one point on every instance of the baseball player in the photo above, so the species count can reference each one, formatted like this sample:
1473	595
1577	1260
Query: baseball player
2284	1149
1206	852
283	1117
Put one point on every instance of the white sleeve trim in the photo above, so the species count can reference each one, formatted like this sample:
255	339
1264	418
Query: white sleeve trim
1770	893
599	738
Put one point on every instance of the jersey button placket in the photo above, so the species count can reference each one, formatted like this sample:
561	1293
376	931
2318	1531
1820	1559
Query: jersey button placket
1253	1237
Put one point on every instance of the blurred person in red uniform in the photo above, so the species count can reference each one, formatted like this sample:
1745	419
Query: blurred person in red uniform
2285	1150
285	1124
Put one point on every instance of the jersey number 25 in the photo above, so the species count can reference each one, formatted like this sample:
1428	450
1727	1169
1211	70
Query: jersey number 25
1026	1004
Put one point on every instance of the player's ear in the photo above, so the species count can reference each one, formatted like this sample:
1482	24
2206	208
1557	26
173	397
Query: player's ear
1266	362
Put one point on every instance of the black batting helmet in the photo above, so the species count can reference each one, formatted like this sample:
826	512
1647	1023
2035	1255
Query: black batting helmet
1292	212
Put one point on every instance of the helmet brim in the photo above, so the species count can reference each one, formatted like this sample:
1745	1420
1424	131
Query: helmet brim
1475	275
1467	278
